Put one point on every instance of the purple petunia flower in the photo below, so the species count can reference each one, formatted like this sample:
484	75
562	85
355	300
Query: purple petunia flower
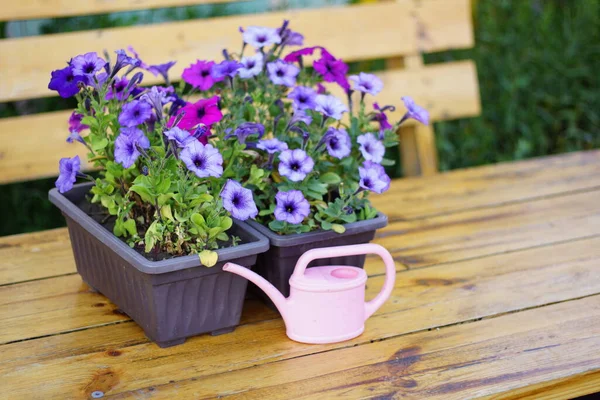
117	89
415	111
179	136
135	113
75	137
281	73
198	75
303	97
272	146
75	124
202	160
137	56
124	59
225	68
65	82
295	164
161	69
291	38
246	129
158	97
291	207
87	64
295	56
204	111
330	68
338	143
371	148
260	36
126	146
68	169
373	177
366	83
330	106
381	117
300	116
251	66
238	201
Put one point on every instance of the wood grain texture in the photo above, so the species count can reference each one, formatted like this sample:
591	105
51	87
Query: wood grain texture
472	234
460	362
490	186
30	9
422	299
21	160
35	255
386	29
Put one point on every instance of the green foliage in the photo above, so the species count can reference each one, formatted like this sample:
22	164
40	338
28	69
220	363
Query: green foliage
539	74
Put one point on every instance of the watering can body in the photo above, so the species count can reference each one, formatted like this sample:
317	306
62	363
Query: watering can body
326	304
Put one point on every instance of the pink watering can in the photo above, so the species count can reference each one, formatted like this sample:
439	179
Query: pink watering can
326	304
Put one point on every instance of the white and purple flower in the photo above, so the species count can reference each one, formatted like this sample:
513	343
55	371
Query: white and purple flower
260	36
373	177
238	201
246	129
291	207
330	106
415	111
366	83
295	164
128	144
338	143
251	66
304	98
68	168
272	146
371	148
282	73
202	160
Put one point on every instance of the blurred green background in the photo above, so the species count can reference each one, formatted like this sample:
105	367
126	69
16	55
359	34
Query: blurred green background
539	74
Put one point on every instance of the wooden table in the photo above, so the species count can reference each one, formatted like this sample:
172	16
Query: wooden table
497	295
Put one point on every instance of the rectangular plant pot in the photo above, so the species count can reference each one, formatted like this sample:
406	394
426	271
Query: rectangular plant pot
170	299
277	264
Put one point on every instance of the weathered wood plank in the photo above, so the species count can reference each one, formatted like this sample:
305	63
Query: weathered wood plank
22	160
490	185
63	304
35	255
30	9
386	29
422	299
464	361
471	234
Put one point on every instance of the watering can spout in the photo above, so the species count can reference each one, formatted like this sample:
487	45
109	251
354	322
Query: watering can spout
275	295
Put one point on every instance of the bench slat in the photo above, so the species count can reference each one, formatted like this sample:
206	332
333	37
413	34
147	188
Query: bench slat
30	9
23	160
455	293
353	33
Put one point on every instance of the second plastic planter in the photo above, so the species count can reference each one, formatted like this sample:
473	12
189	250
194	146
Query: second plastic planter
277	264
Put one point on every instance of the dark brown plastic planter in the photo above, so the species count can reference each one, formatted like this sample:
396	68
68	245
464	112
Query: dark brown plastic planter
170	299
277	264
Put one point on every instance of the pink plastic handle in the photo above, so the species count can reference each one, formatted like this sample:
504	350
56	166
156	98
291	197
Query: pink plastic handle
353	250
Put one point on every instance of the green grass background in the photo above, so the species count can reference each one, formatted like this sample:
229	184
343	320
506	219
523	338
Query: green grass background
538	63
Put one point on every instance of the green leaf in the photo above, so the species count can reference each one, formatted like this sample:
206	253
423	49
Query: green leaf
163	186
262	213
130	227
99	143
165	211
214	232
226	223
198	220
144	193
387	162
325	225
89	120
338	228
330	178
208	258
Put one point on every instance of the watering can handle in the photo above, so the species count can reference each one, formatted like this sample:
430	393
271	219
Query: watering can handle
353	250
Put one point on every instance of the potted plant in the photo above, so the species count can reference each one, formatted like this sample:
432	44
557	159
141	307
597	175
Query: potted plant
310	158
153	227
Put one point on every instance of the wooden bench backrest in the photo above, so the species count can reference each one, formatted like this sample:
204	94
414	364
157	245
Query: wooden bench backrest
400	31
